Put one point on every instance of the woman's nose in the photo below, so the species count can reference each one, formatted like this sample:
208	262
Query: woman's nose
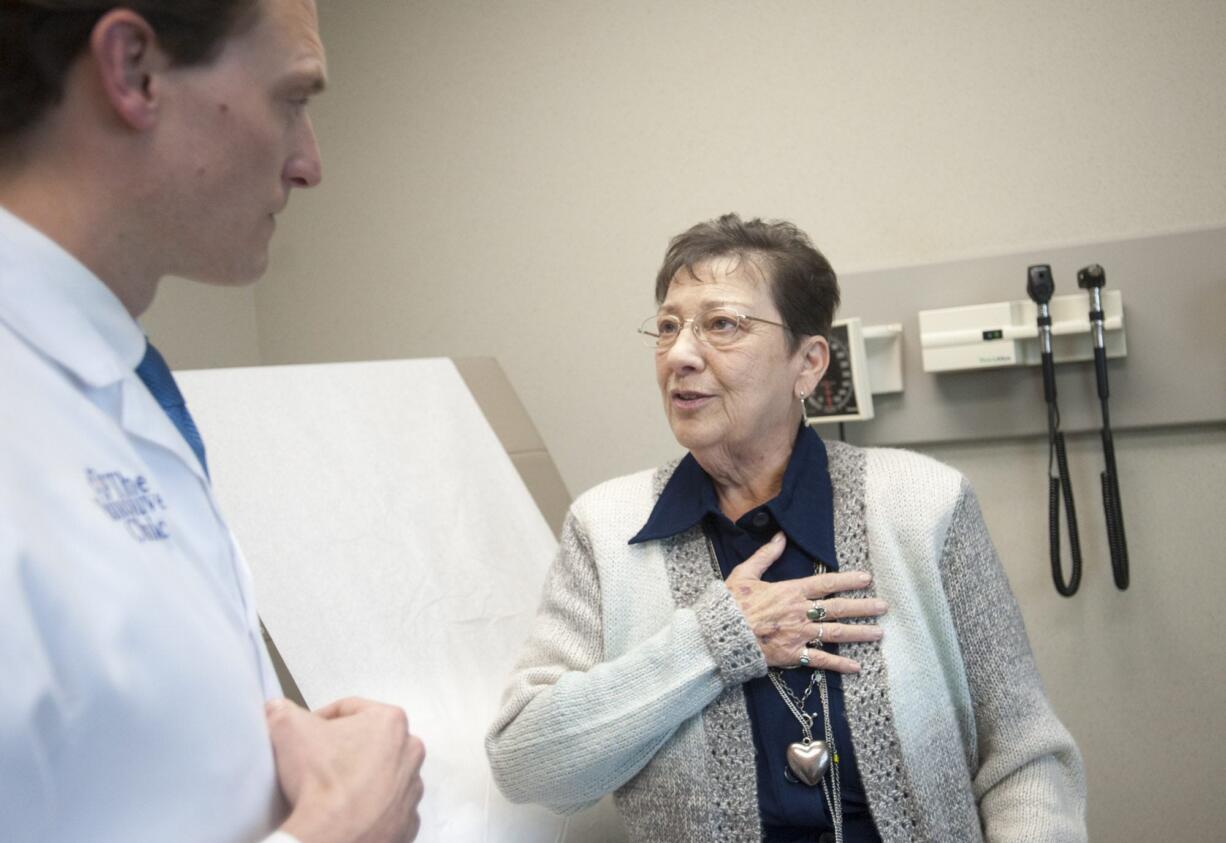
687	351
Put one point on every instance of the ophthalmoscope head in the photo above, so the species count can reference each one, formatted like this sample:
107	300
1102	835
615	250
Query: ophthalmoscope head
1039	284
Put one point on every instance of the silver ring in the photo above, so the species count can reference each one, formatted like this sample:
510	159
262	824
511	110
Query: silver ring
817	642
816	612
804	656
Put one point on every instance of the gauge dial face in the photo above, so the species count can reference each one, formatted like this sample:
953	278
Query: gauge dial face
836	392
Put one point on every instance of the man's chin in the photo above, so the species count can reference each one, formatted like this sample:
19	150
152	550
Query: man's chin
234	275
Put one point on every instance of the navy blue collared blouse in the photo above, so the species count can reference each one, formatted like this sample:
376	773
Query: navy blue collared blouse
804	510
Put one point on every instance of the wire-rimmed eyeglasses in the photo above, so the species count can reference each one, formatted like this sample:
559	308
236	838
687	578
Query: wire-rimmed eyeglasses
715	326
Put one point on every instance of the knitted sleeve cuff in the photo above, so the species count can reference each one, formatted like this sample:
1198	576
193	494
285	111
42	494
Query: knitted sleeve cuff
738	658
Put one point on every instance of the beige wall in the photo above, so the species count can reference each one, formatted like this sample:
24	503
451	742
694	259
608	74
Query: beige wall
501	179
200	327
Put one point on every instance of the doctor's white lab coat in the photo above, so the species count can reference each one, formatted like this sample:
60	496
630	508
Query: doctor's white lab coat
132	671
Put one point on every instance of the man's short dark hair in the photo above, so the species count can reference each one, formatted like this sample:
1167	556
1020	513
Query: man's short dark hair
40	40
802	283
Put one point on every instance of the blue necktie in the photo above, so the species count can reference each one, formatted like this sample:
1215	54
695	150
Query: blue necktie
156	375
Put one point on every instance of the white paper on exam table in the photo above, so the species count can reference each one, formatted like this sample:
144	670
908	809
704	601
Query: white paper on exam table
396	555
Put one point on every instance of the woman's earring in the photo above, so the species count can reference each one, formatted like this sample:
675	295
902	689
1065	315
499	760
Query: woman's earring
804	409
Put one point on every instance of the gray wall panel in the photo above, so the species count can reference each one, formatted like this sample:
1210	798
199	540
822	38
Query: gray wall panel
1174	289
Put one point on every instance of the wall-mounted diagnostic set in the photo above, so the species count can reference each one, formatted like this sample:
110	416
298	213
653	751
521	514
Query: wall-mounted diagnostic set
1039	285
1045	330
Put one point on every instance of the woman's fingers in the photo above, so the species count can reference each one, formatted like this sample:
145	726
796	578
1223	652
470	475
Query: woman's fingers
819	585
783	618
818	659
838	608
765	556
843	633
829	661
785	651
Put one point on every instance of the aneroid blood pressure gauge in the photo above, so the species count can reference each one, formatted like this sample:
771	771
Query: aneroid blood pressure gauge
843	393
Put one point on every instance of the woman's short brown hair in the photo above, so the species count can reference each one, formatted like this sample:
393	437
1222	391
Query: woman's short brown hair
40	39
802	282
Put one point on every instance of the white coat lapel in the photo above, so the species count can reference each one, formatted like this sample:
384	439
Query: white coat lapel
143	417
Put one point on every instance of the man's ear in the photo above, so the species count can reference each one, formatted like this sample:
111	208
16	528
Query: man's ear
125	51
816	351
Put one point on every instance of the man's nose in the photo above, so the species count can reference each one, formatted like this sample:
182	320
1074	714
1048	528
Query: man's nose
305	166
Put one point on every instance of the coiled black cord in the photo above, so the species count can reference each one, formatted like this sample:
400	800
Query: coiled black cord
1113	510
1058	483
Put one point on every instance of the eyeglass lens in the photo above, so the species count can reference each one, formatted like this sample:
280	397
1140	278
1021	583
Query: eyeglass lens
717	326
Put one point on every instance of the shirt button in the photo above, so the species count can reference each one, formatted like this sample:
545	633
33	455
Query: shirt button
761	519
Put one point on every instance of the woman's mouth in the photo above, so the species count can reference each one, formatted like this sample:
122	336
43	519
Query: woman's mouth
684	399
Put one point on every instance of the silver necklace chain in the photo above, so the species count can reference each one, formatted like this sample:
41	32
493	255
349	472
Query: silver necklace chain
796	705
799	706
830	781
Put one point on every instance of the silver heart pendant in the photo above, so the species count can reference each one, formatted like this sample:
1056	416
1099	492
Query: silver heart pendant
808	761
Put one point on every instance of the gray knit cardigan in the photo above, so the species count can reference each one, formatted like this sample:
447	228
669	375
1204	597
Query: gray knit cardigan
631	681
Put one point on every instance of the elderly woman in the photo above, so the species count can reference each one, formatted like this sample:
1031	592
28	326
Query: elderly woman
779	638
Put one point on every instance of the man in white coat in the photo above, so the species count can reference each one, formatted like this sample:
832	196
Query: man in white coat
139	140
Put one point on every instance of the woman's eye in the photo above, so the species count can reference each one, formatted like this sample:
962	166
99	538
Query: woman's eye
667	327
721	324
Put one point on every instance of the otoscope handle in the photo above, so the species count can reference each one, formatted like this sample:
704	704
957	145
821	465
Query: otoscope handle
1100	370
1040	288
1049	379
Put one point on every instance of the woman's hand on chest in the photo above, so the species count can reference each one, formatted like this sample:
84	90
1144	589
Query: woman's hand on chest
791	616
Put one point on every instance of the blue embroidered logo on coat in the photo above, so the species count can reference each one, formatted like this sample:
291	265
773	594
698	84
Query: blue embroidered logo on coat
130	500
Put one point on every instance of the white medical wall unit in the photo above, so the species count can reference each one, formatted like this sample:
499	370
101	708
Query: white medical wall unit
989	336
